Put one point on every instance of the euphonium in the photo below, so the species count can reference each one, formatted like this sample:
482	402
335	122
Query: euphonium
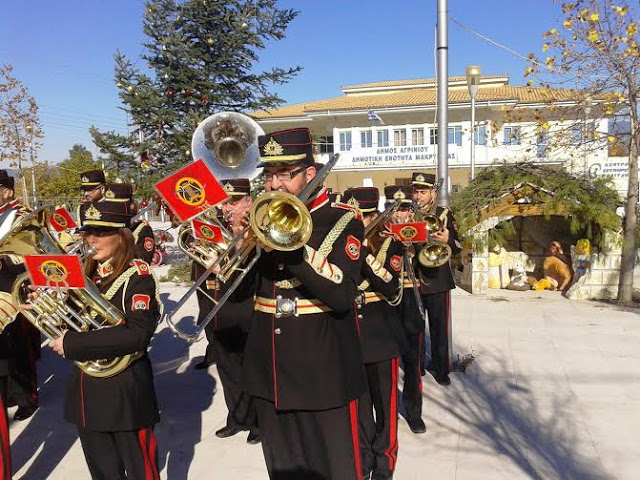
433	254
56	310
199	251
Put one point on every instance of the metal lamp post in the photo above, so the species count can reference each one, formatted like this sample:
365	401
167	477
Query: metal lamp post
473	81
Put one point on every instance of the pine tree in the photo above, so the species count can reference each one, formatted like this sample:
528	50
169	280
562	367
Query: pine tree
202	58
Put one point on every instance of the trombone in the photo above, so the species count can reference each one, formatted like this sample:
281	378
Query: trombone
278	220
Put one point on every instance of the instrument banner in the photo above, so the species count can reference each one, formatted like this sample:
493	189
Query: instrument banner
207	232
191	190
413	232
53	271
61	220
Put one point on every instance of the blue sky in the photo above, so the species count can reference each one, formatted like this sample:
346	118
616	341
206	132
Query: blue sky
63	50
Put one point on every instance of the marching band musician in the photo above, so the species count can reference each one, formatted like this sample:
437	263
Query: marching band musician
23	339
381	333
302	360
115	415
436	283
142	231
92	186
227	333
412	319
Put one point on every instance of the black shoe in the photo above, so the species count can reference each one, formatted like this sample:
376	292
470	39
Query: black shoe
203	365
227	431
443	379
417	425
253	438
24	412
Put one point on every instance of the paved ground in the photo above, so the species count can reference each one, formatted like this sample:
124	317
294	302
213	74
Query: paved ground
554	393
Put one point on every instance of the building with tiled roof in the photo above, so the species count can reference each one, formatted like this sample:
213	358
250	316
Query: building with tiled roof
385	130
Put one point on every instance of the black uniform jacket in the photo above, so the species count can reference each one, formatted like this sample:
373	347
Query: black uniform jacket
126	401
312	361
230	315
145	241
380	326
439	279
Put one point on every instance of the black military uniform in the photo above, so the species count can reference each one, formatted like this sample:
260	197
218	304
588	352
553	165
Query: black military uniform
89	180
115	416
382	343
142	231
413	322
435	286
302	359
22	338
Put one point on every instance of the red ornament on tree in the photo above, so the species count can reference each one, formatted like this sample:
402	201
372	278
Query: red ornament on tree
204	100
170	93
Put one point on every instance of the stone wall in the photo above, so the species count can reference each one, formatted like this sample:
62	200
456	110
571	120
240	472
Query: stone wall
601	279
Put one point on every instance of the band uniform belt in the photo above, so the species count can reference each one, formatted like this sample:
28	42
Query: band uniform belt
372	297
406	283
286	306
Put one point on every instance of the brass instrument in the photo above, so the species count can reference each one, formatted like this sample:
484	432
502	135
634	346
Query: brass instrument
433	254
56	309
200	251
278	220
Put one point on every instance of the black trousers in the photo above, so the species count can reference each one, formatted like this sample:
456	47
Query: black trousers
5	444
310	445
413	366
229	347
131	455
25	351
205	305
378	420
438	307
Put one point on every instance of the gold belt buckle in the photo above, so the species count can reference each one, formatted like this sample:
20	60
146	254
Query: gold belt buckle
285	307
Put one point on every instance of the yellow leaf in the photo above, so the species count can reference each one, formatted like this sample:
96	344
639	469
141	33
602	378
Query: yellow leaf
632	29
552	31
545	47
567	23
595	17
593	36
545	126
611	138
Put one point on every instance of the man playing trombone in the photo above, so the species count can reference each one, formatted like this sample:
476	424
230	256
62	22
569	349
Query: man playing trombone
436	282
302	360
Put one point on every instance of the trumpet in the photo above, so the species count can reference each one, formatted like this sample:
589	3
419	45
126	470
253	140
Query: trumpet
433	254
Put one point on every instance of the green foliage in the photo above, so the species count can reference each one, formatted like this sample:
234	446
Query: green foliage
202	58
179	272
589	205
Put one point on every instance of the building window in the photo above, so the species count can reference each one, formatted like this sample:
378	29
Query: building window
454	136
383	138
433	136
417	136
402	181
400	138
541	144
345	141
366	139
324	145
480	135
511	136
575	135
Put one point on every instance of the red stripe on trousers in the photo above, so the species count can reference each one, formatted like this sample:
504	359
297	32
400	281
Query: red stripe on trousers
153	454
5	454
353	412
148	469
392	451
273	354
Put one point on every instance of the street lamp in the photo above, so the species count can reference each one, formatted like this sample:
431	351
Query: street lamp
473	82
33	168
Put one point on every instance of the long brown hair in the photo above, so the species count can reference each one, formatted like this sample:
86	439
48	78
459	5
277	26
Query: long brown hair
121	259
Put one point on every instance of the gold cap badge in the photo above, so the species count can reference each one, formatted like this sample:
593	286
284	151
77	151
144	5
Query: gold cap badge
272	148
228	187
420	178
85	179
399	195
92	213
110	194
353	202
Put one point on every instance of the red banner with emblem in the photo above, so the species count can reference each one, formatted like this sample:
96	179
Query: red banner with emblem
207	232
413	232
191	190
55	271
61	220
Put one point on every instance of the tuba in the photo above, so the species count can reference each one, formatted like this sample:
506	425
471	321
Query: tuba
433	254
277	219
56	310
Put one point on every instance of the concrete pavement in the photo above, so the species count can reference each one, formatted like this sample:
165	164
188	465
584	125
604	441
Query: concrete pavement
554	392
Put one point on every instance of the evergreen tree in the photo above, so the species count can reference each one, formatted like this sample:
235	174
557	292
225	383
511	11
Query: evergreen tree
202	58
